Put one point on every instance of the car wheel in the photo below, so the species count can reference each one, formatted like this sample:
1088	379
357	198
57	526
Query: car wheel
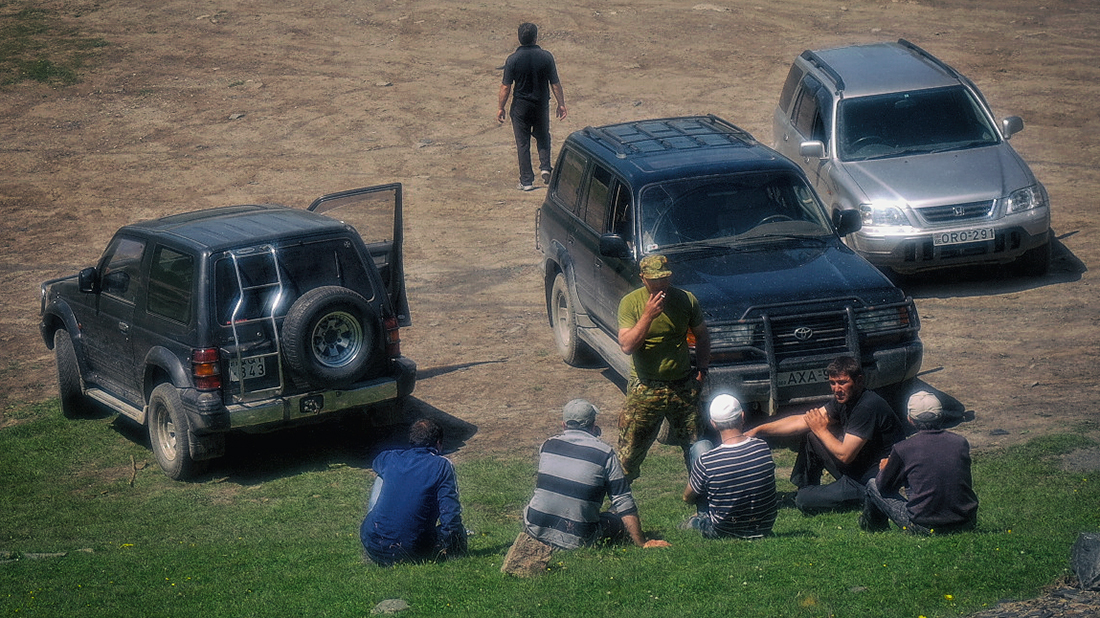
328	336
563	320
169	434
1034	262
73	402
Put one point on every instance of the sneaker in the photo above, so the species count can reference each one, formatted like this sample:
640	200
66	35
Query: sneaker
545	177
523	187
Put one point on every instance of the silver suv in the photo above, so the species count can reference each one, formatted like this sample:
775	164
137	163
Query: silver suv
892	131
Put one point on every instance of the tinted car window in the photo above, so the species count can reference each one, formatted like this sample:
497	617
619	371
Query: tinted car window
911	122
171	280
300	268
121	268
599	189
570	174
785	97
718	207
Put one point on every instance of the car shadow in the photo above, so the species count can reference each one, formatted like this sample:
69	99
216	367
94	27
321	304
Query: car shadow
351	440
1065	267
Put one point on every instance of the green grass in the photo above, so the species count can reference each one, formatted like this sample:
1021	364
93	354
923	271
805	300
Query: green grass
36	44
273	531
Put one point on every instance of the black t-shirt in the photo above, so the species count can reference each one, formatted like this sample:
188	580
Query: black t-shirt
871	418
935	467
532	69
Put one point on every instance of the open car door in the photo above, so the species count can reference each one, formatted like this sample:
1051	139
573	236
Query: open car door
375	213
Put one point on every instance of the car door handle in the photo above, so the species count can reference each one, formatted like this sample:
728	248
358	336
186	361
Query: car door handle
124	328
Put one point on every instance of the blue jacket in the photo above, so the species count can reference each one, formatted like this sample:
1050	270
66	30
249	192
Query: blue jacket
419	489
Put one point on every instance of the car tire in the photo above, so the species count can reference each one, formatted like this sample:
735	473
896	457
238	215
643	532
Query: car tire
329	336
73	402
1034	262
170	435
563	322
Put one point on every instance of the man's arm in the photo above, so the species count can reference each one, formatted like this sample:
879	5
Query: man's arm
702	348
630	339
559	96
690	496
844	448
502	99
786	426
634	529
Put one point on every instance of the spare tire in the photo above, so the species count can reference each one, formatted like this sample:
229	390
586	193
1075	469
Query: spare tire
329	335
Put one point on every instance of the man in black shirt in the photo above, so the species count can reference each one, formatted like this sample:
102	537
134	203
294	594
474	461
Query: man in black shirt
534	74
933	465
849	436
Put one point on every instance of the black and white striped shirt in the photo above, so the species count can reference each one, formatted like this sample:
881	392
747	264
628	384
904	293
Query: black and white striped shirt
738	482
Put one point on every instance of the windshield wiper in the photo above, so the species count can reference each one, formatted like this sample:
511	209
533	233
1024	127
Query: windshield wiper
821	240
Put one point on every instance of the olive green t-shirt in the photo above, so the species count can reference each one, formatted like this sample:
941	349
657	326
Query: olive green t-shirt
664	355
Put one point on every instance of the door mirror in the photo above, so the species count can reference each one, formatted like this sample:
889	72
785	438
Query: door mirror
814	149
847	221
1011	126
87	280
613	245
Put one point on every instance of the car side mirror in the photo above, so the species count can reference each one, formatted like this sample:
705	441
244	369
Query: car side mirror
814	149
1011	126
87	279
613	245
847	221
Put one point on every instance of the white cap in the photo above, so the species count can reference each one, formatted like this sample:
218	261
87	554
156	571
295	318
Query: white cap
925	407
725	409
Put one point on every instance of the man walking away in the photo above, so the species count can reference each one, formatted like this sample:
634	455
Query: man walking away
530	75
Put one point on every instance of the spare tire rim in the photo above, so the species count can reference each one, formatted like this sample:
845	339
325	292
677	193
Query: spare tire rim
337	339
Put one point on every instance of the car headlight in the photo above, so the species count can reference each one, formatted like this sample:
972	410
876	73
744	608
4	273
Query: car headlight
733	334
882	214
1026	199
882	320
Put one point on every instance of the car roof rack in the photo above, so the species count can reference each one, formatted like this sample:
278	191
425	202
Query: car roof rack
818	62
673	134
929	57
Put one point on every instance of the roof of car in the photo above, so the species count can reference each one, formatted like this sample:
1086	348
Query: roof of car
883	67
217	229
653	150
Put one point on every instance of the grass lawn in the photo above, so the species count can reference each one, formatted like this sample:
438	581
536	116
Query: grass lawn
274	532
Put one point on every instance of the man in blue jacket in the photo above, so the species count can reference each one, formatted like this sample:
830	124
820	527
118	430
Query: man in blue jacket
415	488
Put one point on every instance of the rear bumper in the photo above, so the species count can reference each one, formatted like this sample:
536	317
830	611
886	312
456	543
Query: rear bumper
209	415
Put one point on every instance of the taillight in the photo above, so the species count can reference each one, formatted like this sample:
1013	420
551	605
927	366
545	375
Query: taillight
205	369
393	337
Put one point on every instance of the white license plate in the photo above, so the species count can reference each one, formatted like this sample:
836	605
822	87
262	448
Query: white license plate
249	368
959	237
807	376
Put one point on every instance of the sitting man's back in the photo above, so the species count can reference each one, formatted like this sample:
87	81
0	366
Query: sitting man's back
416	487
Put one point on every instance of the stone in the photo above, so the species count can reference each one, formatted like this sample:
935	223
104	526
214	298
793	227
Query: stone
1085	560
528	557
390	606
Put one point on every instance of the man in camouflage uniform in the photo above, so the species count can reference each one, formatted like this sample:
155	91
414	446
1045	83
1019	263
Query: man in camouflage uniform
654	322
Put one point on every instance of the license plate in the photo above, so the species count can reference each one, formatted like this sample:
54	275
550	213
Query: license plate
247	368
959	237
806	376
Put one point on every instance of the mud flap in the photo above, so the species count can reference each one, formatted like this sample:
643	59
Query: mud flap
209	446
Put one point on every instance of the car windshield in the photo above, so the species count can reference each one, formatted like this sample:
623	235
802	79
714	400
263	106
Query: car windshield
731	210
902	123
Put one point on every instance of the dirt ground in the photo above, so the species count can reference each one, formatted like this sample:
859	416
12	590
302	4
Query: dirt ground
210	103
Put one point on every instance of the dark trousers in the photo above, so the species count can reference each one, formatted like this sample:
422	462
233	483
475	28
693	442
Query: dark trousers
846	493
529	120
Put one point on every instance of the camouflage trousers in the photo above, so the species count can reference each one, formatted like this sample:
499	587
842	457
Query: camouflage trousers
646	405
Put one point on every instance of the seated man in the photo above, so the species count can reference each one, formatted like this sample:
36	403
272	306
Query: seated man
576	471
849	437
732	485
933	465
415	488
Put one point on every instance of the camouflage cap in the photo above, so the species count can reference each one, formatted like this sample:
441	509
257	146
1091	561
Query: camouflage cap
655	267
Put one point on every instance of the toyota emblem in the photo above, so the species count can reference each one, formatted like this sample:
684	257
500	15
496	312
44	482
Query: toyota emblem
803	333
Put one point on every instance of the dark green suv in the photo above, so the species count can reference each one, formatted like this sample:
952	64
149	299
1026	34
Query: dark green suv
744	232
239	318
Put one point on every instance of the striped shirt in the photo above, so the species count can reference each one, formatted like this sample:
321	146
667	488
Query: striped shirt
738	483
576	471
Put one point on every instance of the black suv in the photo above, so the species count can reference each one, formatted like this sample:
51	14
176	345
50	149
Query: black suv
744	231
244	317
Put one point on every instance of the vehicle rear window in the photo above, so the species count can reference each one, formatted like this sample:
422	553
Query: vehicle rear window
263	283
